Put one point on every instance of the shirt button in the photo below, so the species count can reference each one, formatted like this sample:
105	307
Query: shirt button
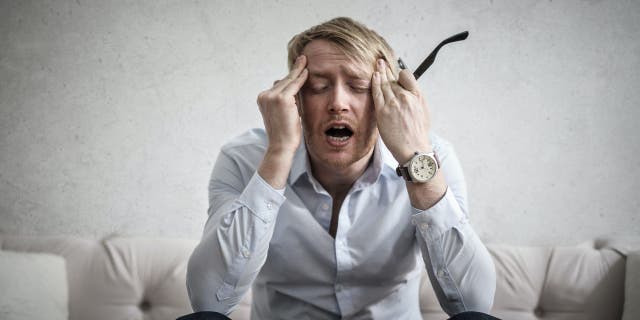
245	252
269	205
441	273
338	287
325	206
424	226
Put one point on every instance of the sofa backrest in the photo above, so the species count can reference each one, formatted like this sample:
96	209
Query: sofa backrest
144	278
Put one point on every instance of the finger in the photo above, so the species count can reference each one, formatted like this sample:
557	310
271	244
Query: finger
408	81
294	86
390	75
395	87
376	91
387	92
299	65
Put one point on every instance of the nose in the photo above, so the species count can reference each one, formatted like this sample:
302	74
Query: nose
339	100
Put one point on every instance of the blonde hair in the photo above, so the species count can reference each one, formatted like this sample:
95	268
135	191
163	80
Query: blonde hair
356	41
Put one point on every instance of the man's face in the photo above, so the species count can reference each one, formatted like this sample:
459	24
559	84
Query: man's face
337	111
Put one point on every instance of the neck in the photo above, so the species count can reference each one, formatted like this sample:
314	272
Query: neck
338	181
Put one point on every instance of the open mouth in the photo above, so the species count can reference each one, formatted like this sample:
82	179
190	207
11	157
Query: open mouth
339	133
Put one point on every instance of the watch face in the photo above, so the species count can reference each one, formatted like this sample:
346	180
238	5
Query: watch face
422	168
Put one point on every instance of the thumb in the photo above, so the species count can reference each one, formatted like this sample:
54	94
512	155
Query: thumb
408	81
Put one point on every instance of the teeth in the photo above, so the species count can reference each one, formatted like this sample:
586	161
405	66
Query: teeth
340	139
339	127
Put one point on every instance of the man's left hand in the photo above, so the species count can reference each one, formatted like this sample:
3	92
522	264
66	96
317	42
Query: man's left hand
401	111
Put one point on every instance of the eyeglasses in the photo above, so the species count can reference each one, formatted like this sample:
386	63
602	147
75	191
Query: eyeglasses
431	58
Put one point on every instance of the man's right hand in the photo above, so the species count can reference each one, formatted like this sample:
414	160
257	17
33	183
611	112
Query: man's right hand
282	124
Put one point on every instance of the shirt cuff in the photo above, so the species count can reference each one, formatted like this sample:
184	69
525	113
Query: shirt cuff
440	218
262	199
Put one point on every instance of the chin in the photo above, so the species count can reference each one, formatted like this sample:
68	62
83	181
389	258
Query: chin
339	162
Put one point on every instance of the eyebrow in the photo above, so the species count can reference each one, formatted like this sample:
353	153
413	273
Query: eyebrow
352	73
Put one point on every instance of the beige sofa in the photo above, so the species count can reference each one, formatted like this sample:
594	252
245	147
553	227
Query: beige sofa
144	278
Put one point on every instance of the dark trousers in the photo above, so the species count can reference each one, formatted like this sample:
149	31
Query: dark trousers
472	315
204	315
208	315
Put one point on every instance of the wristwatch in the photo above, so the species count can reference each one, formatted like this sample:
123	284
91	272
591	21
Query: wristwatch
421	168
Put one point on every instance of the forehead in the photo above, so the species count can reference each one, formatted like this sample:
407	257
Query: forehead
324	58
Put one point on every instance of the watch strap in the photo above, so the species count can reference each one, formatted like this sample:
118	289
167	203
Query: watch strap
403	171
435	156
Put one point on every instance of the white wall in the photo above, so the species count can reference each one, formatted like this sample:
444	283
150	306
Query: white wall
112	112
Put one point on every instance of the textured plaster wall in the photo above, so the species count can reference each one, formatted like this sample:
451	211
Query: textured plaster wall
112	112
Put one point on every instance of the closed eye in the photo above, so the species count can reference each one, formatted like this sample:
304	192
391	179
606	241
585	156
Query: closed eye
360	89
318	89
359	85
316	85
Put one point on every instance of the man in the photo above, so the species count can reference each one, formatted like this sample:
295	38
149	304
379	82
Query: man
311	212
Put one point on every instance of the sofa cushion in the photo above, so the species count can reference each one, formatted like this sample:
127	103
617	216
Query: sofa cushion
565	282
34	286
583	282
119	278
632	287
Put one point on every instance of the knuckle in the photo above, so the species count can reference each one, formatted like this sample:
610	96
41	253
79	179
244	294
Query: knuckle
394	103
280	99
404	97
265	97
260	99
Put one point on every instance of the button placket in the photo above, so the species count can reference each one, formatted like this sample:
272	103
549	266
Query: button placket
344	262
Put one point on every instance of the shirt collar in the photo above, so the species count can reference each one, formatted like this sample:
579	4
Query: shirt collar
383	164
300	163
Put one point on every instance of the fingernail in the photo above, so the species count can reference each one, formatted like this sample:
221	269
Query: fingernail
401	64
381	62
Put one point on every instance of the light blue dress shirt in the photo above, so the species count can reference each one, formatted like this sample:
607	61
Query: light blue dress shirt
277	242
